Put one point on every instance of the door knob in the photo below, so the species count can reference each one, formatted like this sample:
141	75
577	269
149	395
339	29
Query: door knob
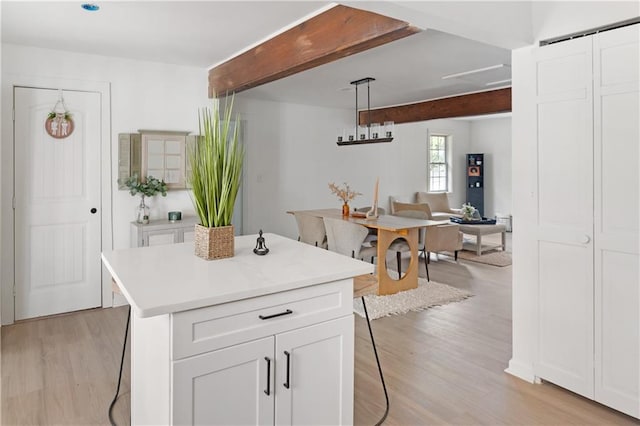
585	239
93	210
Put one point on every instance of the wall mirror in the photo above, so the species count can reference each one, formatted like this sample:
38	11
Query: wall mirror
158	153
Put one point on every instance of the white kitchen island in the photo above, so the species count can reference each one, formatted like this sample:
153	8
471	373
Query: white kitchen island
244	340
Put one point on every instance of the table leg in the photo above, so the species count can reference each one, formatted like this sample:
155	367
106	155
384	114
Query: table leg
479	245
386	284
504	240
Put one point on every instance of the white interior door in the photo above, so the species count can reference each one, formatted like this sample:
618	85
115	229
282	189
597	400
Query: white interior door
617	196
56	186
565	214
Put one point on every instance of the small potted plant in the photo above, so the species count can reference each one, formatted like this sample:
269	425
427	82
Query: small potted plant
147	187
216	171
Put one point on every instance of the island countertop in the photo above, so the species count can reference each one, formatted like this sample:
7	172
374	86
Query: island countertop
171	278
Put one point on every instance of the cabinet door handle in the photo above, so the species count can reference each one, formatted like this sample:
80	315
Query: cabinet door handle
288	382
268	389
266	317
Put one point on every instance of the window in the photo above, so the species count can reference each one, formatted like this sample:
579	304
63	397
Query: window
438	167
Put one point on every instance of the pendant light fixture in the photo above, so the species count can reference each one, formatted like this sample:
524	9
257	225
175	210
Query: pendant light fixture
369	132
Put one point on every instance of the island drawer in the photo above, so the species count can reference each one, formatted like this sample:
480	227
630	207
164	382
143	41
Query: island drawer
201	330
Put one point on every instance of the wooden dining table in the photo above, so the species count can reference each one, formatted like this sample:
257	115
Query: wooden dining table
389	229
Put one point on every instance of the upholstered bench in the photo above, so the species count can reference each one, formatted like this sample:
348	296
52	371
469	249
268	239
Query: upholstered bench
479	231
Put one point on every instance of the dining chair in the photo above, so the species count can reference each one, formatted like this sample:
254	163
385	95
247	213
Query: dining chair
445	237
434	239
311	230
347	238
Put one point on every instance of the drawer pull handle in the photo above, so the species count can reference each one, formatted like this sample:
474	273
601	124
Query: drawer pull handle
266	317
268	389
287	383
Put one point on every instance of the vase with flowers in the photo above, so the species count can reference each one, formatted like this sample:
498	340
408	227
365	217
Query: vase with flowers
147	187
468	212
346	194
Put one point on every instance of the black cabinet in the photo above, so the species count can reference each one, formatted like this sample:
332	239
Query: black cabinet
475	181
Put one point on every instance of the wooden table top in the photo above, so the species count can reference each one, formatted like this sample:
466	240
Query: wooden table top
384	222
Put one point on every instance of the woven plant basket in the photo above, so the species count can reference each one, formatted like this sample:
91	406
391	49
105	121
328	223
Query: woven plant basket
214	243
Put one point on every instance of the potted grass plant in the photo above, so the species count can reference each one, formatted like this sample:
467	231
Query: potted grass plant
216	170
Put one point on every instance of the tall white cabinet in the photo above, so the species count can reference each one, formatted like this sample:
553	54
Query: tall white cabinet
587	204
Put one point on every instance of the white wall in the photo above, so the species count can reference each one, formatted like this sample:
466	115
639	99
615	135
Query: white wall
292	156
144	95
492	137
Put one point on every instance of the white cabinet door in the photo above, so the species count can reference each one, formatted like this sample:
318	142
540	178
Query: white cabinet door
232	386
189	236
617	196
565	214
157	238
314	372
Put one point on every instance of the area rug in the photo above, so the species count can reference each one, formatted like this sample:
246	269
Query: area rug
427	294
492	257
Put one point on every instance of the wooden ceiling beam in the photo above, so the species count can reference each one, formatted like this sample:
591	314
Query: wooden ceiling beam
338	32
491	102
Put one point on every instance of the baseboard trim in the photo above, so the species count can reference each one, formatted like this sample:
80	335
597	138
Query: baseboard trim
521	370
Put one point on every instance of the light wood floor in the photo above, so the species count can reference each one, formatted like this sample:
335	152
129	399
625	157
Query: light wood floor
442	366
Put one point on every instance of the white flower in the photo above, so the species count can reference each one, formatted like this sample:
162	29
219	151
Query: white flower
468	209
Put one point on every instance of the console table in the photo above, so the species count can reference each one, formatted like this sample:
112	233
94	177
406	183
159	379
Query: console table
163	231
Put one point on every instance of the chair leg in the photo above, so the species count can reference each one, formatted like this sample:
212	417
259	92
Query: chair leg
399	261
124	348
375	351
426	267
455	255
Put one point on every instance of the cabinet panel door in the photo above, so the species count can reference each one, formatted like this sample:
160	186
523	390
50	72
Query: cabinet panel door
157	238
225	387
320	367
617	195
189	236
565	215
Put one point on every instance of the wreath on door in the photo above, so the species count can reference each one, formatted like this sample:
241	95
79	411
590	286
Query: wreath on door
59	123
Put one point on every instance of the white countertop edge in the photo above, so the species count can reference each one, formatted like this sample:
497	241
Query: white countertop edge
218	300
365	268
135	308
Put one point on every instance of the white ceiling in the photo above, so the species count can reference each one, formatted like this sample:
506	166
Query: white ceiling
204	33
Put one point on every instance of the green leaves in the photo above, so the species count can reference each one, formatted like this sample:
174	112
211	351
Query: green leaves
149	187
216	166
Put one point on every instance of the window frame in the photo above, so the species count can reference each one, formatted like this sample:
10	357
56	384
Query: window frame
446	163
